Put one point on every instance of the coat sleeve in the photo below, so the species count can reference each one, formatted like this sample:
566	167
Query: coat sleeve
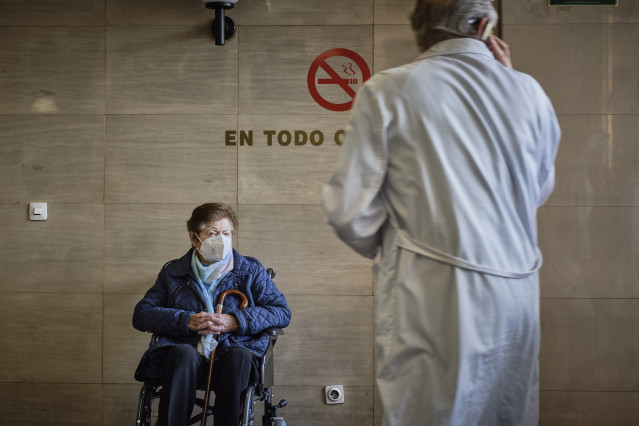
153	314
351	197
270	307
551	136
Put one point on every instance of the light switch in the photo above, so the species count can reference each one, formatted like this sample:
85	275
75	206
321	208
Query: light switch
37	211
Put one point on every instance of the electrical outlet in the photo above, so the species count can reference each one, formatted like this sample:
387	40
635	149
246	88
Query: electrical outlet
334	394
37	211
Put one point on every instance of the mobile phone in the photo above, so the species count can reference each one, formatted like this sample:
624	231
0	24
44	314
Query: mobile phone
488	31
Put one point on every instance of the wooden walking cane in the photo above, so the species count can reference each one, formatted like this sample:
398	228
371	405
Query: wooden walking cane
218	310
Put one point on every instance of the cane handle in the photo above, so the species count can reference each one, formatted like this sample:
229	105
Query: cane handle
220	306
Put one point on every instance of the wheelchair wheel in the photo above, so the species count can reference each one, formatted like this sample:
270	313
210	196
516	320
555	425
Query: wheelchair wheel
248	407
144	407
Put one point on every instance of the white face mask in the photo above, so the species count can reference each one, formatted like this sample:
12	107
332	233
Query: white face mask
215	248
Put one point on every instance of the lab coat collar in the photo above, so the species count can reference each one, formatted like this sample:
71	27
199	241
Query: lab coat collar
455	46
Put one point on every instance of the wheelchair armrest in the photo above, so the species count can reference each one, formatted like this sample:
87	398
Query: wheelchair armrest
273	332
267	373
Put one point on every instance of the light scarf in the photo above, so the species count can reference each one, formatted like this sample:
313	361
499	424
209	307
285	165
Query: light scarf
208	277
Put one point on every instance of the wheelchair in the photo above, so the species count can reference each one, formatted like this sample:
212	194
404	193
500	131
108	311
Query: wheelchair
259	391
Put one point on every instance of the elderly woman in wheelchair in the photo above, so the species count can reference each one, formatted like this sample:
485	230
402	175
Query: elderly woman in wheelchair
180	310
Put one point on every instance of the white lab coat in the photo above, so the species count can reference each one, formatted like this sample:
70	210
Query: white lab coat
444	164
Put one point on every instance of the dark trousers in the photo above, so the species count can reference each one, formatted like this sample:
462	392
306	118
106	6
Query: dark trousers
184	371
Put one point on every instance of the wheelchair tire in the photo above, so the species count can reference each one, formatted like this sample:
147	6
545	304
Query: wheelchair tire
144	407
248	407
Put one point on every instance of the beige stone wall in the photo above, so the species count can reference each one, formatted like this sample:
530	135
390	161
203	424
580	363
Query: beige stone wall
118	114
587	60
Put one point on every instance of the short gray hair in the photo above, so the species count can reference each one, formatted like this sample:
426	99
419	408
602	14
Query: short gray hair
455	18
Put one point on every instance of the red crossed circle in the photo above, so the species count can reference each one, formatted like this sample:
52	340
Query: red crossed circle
320	61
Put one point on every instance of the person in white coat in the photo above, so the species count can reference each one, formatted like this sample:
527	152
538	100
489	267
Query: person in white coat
444	165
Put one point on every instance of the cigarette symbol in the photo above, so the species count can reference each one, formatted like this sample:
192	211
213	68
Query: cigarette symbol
337	81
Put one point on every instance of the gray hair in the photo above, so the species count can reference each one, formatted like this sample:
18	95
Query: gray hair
437	20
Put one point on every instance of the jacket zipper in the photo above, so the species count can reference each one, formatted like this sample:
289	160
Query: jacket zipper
174	295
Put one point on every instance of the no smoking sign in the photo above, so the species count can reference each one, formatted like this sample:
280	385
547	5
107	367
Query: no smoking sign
333	77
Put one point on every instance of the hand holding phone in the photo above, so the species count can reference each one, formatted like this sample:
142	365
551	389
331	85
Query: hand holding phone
500	50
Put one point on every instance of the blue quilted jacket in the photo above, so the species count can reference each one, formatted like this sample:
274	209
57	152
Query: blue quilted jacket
166	308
